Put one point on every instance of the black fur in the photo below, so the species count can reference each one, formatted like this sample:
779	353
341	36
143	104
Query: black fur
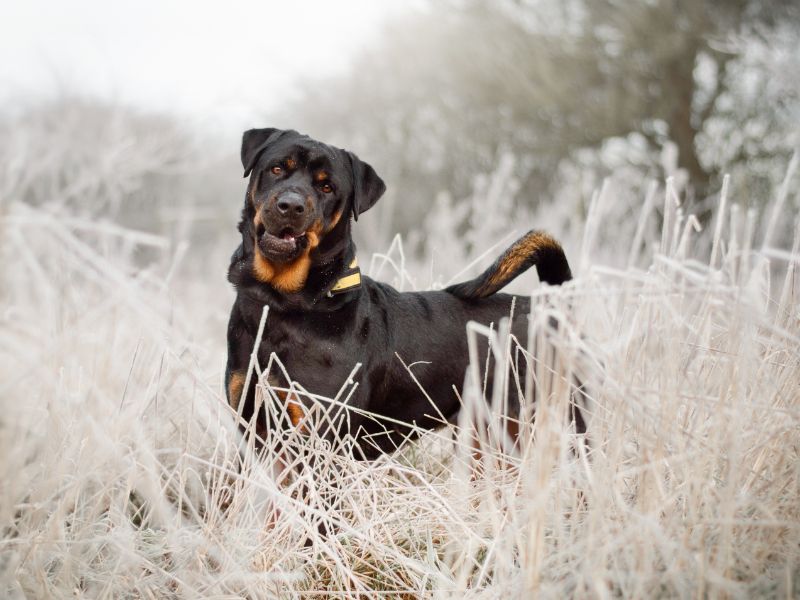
534	248
320	337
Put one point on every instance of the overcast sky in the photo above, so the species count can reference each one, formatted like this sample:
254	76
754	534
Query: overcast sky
220	63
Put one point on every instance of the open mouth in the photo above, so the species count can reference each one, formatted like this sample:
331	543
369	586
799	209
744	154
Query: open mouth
282	245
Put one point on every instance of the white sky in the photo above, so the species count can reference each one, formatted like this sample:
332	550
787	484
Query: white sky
223	63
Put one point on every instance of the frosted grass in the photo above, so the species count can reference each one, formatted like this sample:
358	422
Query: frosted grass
124	474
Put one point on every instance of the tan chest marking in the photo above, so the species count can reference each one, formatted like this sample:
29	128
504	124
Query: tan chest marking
292	276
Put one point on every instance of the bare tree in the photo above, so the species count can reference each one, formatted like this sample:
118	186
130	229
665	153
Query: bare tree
447	91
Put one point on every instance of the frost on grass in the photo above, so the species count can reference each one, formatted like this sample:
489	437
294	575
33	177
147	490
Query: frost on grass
124	474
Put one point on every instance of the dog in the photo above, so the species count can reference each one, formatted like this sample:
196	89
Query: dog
297	257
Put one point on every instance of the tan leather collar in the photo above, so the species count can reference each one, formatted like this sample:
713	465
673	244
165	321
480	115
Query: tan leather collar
350	280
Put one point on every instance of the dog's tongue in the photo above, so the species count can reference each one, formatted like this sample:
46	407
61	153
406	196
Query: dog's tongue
291	238
288	237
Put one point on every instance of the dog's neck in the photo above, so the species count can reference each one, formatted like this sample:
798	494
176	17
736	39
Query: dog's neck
333	281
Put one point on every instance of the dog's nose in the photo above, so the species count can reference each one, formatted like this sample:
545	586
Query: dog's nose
291	204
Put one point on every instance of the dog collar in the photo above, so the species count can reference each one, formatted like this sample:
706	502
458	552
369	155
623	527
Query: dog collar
349	281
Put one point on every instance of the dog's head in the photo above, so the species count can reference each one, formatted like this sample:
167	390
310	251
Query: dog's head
300	196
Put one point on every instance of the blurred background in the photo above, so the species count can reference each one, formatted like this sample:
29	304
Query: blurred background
485	118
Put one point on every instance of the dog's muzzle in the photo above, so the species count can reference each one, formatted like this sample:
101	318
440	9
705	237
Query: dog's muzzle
281	232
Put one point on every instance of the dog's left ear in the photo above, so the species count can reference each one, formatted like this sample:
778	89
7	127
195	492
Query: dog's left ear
367	186
254	142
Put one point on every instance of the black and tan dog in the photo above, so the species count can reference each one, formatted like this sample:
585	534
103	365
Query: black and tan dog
298	257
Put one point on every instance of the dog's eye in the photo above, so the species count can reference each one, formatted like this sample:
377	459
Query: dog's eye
327	188
277	170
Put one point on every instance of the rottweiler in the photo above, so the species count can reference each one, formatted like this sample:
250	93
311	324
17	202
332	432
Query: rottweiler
297	256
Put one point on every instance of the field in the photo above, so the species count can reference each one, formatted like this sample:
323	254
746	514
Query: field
121	472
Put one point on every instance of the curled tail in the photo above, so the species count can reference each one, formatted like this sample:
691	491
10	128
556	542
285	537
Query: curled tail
534	248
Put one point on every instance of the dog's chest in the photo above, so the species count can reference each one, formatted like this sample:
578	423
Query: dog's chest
311	347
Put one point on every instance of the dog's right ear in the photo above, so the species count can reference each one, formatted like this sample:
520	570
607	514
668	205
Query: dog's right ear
254	142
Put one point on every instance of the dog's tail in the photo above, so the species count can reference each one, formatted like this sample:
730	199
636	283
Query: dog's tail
533	248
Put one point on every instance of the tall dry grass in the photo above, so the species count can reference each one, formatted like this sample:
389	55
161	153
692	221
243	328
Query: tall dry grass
123	474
